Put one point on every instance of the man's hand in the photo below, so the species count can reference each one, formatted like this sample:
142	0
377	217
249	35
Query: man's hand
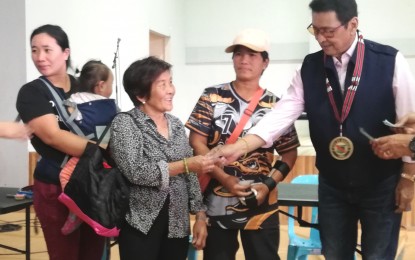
231	152
404	195
227	153
406	124
392	146
233	185
262	192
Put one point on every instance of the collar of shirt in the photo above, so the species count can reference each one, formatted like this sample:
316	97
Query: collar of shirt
341	66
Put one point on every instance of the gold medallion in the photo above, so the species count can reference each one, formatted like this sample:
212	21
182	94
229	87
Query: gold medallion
341	148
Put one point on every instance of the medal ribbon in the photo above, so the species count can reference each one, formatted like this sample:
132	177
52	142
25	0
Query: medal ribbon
351	90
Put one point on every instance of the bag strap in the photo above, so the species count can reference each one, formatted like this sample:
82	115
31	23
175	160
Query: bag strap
63	113
247	114
68	120
204	179
104	133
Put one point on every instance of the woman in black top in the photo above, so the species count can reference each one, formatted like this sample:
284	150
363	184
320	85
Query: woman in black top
53	141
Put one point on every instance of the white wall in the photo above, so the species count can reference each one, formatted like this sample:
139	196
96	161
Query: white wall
213	24
198	30
93	28
13	75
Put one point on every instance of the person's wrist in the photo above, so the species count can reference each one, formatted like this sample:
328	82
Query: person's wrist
245	147
407	176
270	183
202	218
185	165
282	167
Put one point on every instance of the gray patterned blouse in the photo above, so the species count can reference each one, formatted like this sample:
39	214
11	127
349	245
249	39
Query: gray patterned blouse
142	155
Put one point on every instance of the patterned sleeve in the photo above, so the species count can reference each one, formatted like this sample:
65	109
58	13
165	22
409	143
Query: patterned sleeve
200	119
288	141
195	195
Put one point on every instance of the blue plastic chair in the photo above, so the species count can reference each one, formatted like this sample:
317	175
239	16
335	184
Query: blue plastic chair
191	252
299	247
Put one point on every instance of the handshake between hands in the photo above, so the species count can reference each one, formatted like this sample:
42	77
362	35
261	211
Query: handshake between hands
250	194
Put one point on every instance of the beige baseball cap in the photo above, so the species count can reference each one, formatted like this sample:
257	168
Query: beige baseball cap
253	39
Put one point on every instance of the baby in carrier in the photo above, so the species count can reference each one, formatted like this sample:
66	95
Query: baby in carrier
94	111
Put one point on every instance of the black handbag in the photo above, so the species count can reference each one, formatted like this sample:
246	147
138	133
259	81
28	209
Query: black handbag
96	192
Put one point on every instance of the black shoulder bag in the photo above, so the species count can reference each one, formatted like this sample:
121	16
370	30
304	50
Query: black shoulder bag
96	192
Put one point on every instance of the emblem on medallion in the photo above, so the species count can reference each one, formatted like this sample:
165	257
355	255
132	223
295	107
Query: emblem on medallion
341	148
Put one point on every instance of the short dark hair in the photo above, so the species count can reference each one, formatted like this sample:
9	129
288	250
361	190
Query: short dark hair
140	75
92	72
264	54
345	9
58	34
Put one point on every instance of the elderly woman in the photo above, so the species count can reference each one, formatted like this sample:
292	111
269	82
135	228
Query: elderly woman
151	149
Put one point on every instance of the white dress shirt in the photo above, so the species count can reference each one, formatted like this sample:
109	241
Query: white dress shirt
291	105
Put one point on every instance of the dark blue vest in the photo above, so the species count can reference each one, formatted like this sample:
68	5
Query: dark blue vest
373	102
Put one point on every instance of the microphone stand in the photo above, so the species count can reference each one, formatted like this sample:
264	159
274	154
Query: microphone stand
115	67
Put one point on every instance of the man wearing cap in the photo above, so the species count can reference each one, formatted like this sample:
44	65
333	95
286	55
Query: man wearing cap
242	196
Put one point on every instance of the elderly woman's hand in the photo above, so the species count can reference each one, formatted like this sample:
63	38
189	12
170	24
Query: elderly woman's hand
200	231
201	163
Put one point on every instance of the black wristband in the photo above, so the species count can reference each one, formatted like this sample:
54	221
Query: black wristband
282	167
270	183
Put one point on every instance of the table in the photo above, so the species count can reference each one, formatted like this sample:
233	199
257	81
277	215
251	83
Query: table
292	194
8	205
298	195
